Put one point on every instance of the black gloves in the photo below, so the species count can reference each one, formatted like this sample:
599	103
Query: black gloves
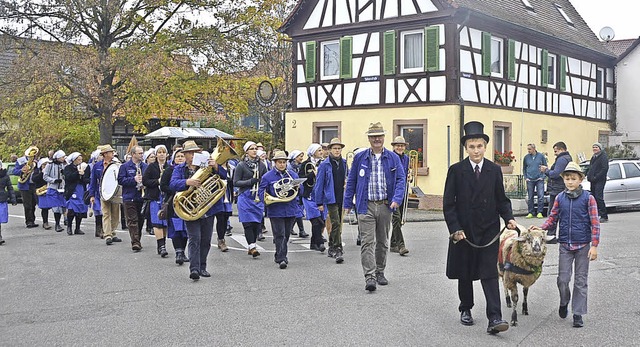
59	180
254	180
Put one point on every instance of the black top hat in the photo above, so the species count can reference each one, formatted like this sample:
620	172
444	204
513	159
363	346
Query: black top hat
474	130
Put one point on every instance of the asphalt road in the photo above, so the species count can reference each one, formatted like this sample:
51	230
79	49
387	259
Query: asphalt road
59	290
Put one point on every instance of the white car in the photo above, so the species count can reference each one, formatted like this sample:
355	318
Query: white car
623	182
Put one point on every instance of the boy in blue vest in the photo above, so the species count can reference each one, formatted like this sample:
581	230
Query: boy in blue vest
577	212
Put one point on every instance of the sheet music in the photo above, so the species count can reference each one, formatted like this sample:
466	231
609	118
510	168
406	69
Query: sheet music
200	159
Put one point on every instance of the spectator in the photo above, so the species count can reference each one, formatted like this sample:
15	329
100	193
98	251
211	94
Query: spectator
534	178
597	176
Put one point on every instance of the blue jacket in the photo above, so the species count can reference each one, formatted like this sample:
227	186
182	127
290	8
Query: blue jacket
323	190
279	209
573	216
358	180
96	177
531	166
179	183
17	171
126	178
555	185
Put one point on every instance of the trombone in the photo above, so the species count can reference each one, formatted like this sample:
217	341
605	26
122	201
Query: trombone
411	178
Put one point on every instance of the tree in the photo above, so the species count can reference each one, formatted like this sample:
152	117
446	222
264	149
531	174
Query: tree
105	44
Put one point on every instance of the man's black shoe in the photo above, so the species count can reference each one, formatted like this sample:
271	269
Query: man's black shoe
358	242
331	252
318	247
58	228
604	219
466	318
339	256
109	241
32	225
370	284
283	265
381	279
303	234
562	311
293	232
116	239
261	237
194	275
496	326
205	273
577	321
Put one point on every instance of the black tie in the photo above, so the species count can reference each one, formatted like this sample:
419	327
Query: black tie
477	171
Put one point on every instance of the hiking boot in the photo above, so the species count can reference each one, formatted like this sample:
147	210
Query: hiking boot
370	284
577	321
403	251
222	246
339	256
46	226
381	279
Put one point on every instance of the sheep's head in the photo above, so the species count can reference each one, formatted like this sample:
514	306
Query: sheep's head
533	242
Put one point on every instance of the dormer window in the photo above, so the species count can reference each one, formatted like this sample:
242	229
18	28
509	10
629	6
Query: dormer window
564	14
527	4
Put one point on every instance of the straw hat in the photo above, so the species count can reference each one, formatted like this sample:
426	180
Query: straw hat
573	167
399	140
105	148
335	141
279	155
190	146
375	129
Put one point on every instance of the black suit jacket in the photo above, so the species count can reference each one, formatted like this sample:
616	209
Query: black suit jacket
475	206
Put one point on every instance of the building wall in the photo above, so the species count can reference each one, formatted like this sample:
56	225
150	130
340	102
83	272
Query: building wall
443	133
628	103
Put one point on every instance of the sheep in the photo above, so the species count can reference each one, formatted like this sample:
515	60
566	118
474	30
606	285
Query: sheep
520	259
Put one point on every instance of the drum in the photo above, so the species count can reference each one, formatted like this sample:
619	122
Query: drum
110	190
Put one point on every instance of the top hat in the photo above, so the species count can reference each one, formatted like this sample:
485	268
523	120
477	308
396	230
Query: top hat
573	167
474	130
105	149
190	146
375	129
399	140
279	155
335	141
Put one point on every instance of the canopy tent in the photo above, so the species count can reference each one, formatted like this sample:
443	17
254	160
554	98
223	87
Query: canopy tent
187	133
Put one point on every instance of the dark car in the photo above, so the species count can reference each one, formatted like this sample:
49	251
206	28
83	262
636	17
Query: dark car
14	179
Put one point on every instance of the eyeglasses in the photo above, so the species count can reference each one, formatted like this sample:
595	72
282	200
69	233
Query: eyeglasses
252	149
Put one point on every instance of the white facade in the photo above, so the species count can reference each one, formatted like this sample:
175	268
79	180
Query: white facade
627	101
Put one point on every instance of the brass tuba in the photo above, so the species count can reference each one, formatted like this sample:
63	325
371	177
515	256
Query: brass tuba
31	153
286	190
193	203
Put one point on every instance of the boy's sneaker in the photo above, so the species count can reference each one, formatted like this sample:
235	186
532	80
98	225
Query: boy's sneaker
577	321
529	216
539	215
562	311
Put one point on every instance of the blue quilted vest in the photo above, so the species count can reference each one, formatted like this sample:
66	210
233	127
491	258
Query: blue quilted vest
575	225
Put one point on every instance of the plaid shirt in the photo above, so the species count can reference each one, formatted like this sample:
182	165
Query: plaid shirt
377	182
552	221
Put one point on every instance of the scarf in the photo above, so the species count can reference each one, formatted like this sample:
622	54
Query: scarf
572	194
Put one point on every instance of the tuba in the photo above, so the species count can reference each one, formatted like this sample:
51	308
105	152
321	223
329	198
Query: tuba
31	153
193	203
286	189
411	175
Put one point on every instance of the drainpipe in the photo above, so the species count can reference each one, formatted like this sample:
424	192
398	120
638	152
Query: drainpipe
460	99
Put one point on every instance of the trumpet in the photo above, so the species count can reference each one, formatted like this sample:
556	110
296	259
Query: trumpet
411	175
254	189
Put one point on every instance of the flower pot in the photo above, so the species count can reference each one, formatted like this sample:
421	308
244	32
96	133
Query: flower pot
506	169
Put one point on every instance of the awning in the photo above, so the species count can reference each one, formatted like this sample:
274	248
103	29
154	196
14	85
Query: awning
188	133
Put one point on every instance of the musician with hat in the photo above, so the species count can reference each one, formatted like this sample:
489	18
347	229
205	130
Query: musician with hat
308	170
130	178
40	184
96	208
54	176
280	186
27	188
329	192
76	178
296	157
110	209
397	239
377	180
200	230
473	203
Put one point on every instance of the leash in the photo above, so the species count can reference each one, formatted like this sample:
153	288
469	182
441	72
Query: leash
495	238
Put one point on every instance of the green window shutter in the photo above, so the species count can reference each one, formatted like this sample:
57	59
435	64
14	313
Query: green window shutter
346	62
486	54
432	48
389	59
310	63
511	61
545	67
563	73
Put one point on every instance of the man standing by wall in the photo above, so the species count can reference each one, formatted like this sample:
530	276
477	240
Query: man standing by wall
473	203
377	180
555	183
597	176
534	178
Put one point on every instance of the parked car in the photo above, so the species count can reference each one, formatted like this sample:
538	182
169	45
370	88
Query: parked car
623	182
14	179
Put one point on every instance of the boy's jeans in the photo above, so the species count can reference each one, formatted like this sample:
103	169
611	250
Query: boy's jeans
566	259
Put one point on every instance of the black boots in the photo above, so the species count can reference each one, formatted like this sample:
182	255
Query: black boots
78	222
162	248
99	231
1	240
180	257
69	222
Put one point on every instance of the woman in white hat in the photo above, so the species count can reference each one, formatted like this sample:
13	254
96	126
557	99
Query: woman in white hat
39	181
76	178
54	177
176	228
296	157
154	197
308	170
95	207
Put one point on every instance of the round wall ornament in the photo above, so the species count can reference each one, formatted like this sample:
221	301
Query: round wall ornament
266	94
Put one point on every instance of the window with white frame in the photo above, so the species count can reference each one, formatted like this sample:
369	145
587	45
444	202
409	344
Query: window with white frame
330	60
600	82
412	50
499	139
497	46
325	134
551	69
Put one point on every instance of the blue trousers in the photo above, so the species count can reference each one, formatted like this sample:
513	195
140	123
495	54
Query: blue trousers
200	232
281	226
538	187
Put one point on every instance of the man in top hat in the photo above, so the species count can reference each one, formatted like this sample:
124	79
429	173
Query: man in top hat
473	203
110	209
397	239
329	192
130	178
377	180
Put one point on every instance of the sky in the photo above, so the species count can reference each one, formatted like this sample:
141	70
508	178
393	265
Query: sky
620	15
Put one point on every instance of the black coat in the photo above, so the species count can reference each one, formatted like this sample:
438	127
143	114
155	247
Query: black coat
598	168
165	181
151	180
72	178
6	189
474	206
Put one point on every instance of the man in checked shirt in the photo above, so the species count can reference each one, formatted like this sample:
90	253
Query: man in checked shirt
577	212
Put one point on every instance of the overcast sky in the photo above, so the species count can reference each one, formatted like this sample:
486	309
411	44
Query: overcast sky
617	14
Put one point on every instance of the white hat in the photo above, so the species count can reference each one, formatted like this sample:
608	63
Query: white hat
42	161
71	157
148	153
95	154
247	145
58	154
313	148
260	153
294	154
161	146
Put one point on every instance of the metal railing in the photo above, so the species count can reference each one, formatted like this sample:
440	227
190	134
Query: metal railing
515	186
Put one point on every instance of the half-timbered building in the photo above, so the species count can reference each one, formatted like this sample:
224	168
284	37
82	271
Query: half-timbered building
531	70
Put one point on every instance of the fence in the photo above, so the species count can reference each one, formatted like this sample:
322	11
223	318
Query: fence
515	186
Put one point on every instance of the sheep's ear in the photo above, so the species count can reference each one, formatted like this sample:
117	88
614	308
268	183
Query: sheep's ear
520	239
549	238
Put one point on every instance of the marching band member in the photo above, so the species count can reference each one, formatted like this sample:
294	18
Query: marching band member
329	192
281	214
96	208
130	178
222	217
27	191
151	181
314	215
327	221
6	195
76	178
200	230
377	181
53	174
149	157
267	163
250	210
110	209
397	240
177	230
295	160
39	181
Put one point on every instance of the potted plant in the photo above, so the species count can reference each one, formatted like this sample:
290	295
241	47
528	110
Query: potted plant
504	159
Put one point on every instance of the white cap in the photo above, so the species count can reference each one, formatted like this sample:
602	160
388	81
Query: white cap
247	145
71	157
58	154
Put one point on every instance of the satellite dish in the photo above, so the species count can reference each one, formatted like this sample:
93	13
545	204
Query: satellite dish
607	34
